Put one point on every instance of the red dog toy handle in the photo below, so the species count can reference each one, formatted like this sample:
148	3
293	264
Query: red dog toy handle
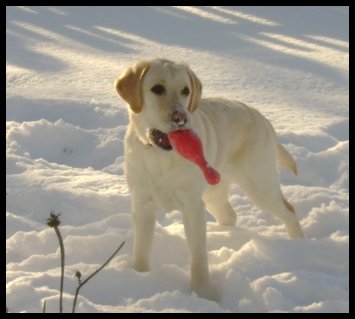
189	146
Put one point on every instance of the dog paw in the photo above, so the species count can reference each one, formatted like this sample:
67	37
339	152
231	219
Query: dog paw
141	266
208	292
227	219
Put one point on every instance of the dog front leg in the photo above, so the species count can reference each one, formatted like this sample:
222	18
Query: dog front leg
143	216
195	230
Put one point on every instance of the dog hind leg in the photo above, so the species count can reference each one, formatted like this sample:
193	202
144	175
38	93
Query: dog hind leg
217	204
258	177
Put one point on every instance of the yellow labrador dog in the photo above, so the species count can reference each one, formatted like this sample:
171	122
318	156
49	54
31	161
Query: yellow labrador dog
238	141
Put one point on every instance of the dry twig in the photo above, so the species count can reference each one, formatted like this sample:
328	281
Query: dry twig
82	283
53	221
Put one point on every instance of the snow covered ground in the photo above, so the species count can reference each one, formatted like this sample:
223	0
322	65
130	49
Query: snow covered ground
65	126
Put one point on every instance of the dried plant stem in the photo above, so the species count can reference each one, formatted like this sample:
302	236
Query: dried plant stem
60	239
53	221
82	283
44	306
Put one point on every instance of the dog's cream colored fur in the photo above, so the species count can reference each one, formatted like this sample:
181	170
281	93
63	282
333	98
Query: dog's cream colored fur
237	140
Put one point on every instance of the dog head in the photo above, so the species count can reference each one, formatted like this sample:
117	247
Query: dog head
161	95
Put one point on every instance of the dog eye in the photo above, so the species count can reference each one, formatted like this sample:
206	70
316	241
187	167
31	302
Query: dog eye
158	89
185	91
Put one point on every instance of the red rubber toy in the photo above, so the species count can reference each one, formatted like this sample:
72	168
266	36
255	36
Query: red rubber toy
189	146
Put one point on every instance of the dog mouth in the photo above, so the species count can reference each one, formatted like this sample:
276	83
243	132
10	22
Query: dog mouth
160	139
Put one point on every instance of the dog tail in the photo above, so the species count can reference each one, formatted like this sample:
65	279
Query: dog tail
285	160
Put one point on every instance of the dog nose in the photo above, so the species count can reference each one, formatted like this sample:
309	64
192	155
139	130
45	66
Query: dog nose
179	118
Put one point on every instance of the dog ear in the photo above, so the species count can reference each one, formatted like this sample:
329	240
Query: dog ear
128	85
196	88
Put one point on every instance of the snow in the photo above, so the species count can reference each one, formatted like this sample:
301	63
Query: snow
65	127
